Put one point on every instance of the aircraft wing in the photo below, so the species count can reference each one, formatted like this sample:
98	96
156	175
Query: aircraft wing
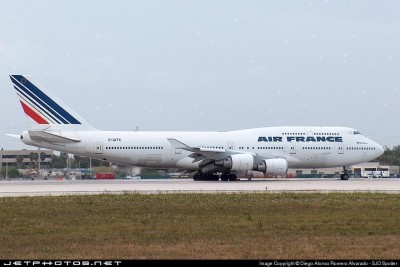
209	155
201	153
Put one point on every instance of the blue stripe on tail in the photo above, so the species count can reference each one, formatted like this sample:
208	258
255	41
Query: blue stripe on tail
22	92
44	100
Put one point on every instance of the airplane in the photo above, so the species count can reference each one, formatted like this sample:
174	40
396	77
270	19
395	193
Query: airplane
211	155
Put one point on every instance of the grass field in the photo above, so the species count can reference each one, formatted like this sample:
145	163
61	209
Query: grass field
201	226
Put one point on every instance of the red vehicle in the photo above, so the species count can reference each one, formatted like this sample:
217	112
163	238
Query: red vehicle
105	175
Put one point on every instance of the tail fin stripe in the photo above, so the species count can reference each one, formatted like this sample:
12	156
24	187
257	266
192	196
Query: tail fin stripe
33	114
37	101
38	109
42	96
34	105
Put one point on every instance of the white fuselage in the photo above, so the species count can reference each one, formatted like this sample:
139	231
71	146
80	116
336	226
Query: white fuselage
302	147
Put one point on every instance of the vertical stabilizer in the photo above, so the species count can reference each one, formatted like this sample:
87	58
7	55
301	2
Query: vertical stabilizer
46	112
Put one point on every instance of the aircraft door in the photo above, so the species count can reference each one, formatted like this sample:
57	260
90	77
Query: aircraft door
99	148
340	149
231	145
292	148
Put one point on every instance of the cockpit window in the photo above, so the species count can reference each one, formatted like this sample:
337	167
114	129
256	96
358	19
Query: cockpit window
356	132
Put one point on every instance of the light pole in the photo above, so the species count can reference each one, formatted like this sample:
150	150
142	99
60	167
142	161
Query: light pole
39	160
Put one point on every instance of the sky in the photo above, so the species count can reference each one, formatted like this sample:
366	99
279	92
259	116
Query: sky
207	65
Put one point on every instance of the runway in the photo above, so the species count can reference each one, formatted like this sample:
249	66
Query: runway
160	186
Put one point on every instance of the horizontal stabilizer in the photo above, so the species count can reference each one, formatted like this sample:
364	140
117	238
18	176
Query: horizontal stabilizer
14	135
51	138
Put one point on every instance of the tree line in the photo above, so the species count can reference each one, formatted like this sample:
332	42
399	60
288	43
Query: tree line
61	161
390	156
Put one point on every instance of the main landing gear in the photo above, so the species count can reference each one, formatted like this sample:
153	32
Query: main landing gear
344	175
228	176
199	176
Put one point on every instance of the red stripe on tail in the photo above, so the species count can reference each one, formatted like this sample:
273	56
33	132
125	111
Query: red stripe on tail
36	117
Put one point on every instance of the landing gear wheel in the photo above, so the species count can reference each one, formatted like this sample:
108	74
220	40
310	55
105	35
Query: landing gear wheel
210	177
224	177
197	177
344	176
232	177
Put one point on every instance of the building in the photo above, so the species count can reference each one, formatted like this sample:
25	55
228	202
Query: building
354	171
393	171
11	158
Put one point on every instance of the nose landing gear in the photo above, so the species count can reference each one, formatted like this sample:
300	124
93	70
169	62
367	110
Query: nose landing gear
344	175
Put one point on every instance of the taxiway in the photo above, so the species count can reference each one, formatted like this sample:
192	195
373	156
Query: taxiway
157	186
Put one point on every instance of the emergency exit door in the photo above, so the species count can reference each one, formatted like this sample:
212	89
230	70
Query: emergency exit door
99	148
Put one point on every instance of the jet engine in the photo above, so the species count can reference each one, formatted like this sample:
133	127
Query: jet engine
237	162
244	162
272	166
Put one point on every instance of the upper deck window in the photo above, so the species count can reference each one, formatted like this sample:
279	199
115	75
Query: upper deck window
356	132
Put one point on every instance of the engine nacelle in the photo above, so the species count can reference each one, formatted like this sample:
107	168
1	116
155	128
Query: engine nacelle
237	162
273	166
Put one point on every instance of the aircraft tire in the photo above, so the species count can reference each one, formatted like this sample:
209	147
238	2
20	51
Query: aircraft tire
197	177
224	177
232	177
344	176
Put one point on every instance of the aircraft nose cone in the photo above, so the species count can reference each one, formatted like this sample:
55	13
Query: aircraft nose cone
379	149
